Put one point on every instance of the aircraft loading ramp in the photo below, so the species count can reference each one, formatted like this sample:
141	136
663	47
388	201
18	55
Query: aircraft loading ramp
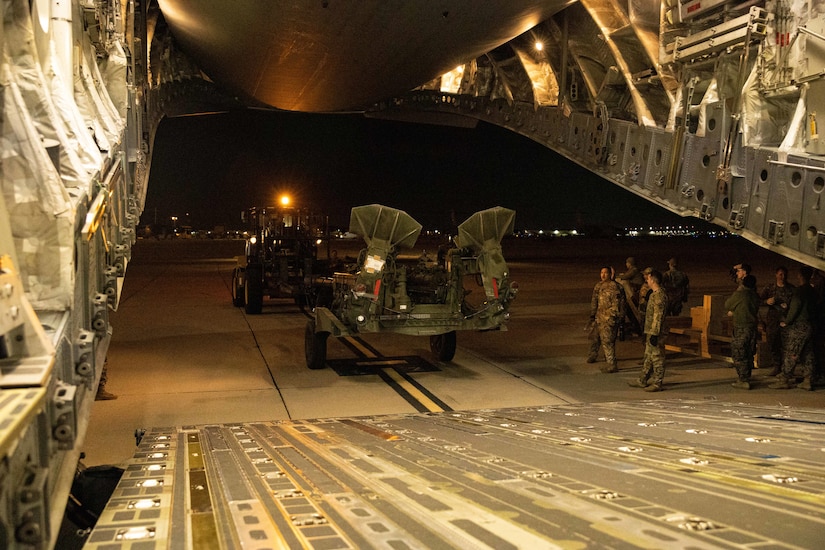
650	474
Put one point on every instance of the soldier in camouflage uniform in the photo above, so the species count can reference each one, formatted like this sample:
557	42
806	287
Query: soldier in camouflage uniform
607	310
677	287
798	327
631	281
776	297
653	369
644	293
743	307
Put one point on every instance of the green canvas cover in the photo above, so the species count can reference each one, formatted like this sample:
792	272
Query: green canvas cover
486	226
375	222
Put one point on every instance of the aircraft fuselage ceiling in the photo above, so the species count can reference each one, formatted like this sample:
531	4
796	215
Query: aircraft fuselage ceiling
705	108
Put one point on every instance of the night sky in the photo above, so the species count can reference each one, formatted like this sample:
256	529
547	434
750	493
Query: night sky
214	166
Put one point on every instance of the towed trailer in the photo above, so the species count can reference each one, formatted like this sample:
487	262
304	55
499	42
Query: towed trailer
467	287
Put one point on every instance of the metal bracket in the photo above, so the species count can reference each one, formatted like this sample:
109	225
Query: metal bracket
737	217
776	231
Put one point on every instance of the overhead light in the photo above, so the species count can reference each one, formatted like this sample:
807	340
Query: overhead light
539	45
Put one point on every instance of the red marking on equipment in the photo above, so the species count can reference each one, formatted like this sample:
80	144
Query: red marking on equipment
694	7
377	288
495	287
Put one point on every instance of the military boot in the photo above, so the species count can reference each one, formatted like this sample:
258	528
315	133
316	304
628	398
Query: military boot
782	384
103	395
805	384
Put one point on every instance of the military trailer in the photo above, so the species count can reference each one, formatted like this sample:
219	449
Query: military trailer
466	287
280	258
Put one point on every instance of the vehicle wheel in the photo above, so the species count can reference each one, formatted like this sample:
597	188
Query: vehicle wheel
443	346
315	346
253	289
238	288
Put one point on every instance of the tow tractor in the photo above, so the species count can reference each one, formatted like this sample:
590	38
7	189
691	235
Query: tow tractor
467	287
281	256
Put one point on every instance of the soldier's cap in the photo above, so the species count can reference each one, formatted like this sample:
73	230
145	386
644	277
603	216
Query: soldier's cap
648	271
672	261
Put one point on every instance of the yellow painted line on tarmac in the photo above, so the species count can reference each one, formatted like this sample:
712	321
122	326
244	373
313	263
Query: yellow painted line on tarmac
413	391
359	346
401	381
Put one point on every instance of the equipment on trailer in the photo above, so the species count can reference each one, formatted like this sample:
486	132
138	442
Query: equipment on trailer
281	257
467	287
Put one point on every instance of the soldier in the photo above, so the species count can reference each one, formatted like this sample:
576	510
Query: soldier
653	369
739	272
631	281
776	297
677	287
607	310
743	307
644	293
798	327
644	296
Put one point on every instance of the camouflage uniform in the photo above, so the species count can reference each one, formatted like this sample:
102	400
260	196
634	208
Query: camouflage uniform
744	305
774	315
798	332
677	287
631	281
653	368
607	310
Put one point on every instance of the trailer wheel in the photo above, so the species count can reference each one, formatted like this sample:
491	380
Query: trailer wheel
238	289
443	345
315	346
254	289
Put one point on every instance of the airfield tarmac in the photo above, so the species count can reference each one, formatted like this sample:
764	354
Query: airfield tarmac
516	443
182	354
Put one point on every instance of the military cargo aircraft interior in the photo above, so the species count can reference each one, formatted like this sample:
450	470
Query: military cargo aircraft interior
472	437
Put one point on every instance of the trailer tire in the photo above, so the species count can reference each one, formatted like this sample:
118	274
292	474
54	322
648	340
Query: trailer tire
315	346
443	345
254	289
238	287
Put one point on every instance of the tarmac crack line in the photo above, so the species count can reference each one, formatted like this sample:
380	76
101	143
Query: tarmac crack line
267	365
558	395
